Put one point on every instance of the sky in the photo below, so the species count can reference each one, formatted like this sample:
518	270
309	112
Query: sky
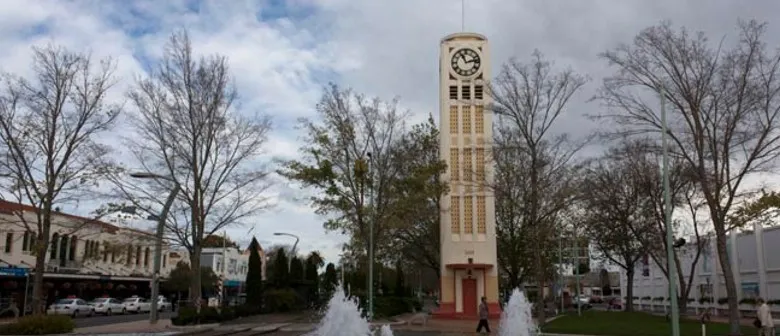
282	53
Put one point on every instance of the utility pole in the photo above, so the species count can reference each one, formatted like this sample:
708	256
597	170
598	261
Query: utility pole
667	221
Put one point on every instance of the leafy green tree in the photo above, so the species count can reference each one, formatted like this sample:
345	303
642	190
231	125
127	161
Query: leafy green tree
281	274
400	288
348	158
180	279
296	270
313	262
254	276
215	240
329	279
419	187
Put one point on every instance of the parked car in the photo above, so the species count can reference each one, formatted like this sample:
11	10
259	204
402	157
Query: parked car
72	306
137	304
107	306
163	304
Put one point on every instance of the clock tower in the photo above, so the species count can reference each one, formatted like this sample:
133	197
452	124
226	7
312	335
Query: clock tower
469	269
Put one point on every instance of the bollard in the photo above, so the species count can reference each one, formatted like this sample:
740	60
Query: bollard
703	329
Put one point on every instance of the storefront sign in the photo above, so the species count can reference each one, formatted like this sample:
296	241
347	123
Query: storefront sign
13	271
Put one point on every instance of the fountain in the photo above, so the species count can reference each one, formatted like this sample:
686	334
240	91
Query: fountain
342	318
516	319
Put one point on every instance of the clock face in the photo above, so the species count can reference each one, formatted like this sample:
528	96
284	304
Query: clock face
465	62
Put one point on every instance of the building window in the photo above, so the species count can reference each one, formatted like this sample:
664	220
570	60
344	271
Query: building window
129	255
454	166
468	215
73	245
25	240
480	165
53	249
465	92
454	92
481	213
146	257
479	119
454	119
455	214
9	242
466	120
138	256
479	92
105	253
164	260
467	165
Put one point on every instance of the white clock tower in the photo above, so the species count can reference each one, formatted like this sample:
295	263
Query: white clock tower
469	269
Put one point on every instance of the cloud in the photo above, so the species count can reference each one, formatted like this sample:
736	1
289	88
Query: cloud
283	52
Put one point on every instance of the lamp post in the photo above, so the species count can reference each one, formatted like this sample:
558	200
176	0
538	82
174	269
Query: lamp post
667	220
292	252
370	243
154	314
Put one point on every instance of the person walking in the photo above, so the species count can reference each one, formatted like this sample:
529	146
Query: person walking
483	316
764	315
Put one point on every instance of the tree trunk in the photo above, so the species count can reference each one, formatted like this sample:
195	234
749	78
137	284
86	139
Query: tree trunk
196	291
540	282
731	289
41	247
630	289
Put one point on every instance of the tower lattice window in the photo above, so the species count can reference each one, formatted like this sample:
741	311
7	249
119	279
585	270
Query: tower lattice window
454	119
468	165
455	214
480	166
466	120
479	92
454	166
468	215
479	119
481	213
454	92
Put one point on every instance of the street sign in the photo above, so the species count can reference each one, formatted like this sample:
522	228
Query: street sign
14	271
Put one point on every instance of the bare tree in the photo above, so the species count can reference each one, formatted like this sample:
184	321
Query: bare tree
188	131
528	99
723	111
615	209
48	126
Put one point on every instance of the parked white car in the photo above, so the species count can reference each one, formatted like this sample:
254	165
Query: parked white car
73	307
163	304
137	305
108	306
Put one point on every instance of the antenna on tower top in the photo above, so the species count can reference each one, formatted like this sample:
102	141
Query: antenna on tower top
463	15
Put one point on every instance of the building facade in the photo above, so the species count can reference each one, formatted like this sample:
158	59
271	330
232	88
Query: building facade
85	257
468	237
754	256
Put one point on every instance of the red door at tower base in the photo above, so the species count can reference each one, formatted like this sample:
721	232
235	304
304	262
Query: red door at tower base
469	287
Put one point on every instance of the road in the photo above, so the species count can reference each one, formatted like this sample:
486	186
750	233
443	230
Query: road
98	320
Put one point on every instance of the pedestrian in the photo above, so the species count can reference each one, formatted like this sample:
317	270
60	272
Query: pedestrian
764	315
483	316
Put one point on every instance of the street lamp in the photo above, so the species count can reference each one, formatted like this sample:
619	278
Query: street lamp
154	314
292	252
371	241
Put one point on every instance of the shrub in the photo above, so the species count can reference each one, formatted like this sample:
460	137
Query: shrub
723	300
386	306
281	300
773	302
247	310
209	315
704	300
39	325
646	298
186	316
